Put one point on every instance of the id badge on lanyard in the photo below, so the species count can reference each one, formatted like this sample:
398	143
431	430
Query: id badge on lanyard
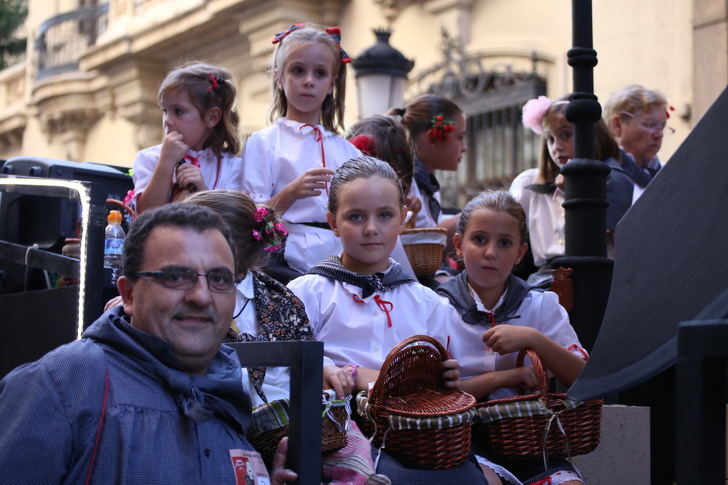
249	468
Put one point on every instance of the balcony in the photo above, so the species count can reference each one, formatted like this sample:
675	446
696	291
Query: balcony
63	39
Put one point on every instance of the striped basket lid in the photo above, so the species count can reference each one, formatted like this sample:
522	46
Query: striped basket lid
273	415
400	422
523	408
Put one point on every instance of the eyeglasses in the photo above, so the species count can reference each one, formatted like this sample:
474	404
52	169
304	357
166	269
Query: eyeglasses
181	278
651	125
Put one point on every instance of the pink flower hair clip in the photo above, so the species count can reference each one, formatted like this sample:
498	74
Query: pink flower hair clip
281	229
534	111
260	214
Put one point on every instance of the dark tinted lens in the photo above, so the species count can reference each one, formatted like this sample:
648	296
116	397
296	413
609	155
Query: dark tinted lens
221	281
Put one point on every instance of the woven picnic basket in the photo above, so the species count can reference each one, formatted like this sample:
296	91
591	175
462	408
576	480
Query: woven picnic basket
425	248
411	414
269	424
542	424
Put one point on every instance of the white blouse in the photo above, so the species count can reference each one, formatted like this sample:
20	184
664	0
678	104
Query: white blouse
226	175
545	217
539	310
360	331
424	218
275	156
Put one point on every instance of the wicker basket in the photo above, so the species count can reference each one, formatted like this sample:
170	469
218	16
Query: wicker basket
425	248
410	412
269	424
541	424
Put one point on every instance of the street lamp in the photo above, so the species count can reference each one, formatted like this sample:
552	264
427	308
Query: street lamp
381	75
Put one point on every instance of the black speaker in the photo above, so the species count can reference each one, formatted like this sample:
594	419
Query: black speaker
115	179
34	323
44	220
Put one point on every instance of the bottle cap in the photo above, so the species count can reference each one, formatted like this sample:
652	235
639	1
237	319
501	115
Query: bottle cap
114	217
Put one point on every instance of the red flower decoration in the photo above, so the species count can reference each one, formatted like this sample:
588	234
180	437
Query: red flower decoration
365	144
440	127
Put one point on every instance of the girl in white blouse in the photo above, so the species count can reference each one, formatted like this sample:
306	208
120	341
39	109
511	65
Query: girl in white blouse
501	316
200	146
361	303
289	164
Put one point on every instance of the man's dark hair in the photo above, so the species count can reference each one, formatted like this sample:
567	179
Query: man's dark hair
186	216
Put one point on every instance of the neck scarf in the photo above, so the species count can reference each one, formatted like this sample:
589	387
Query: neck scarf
218	393
429	186
332	268
456	290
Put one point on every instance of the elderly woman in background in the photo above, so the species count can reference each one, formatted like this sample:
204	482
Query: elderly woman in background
637	118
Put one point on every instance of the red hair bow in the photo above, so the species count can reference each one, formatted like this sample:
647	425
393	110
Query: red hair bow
335	33
282	35
214	83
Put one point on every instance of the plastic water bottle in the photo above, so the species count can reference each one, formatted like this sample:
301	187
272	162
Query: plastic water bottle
114	245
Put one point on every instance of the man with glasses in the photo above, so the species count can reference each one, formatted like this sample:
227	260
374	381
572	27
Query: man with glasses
637	118
148	395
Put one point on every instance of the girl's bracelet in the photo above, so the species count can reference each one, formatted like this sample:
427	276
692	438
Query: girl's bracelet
351	368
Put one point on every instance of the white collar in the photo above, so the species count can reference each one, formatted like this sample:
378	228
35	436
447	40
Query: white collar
245	287
304	128
480	306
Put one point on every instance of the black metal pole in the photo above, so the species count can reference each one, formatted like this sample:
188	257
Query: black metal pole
304	431
585	187
94	298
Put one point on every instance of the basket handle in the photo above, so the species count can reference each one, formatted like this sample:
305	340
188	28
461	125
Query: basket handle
123	206
378	387
538	369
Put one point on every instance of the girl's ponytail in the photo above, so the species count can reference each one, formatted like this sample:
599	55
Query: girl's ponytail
418	115
224	136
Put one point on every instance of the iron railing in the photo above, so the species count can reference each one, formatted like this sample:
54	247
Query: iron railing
63	39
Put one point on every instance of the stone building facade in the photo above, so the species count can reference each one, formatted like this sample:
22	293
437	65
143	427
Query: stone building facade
87	88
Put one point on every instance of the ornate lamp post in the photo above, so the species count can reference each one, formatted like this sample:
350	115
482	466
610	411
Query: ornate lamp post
585	205
381	75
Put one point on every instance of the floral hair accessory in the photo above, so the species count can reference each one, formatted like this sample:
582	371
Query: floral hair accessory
365	144
335	33
273	248
440	127
278	38
273	234
260	214
281	228
277	233
534	111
